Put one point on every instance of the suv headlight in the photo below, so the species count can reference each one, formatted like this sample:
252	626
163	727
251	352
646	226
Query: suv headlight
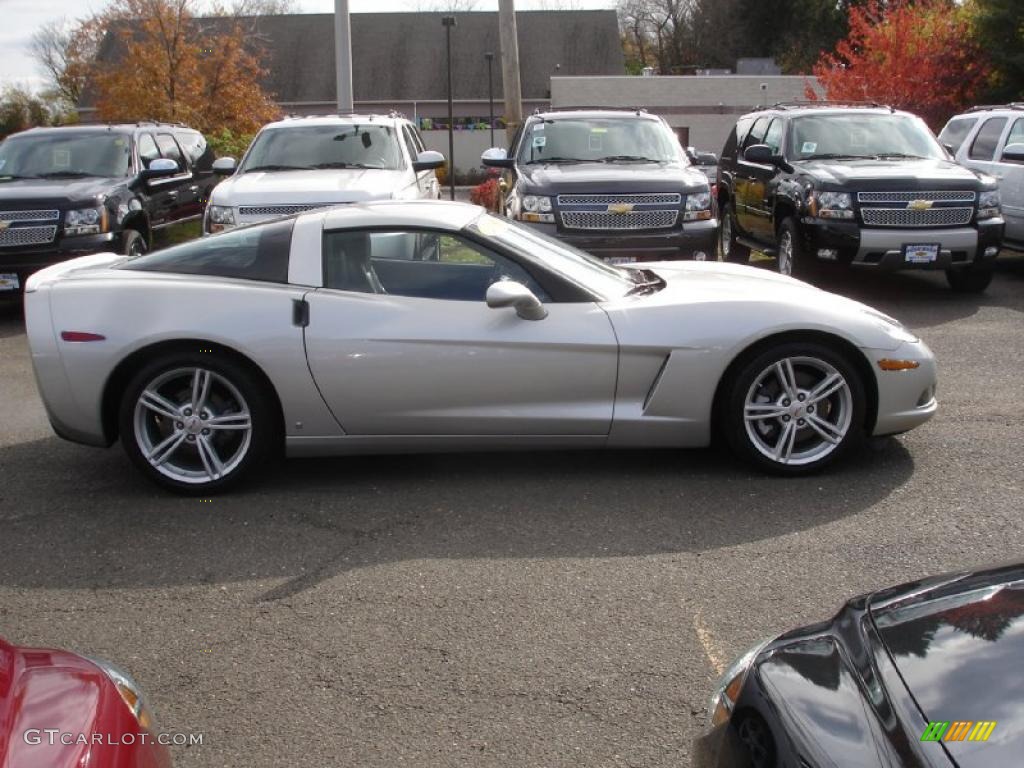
536	208
219	218
832	205
85	221
129	690
988	204
727	689
698	206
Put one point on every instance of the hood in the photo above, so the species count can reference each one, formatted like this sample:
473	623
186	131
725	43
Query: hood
341	185
55	193
959	647
626	178
901	174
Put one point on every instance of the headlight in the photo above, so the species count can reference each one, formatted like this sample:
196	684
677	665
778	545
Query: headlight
85	221
832	205
988	204
536	208
892	327
219	218
698	206
727	690
129	690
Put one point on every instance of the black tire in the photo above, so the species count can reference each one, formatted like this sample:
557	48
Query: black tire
187	468
729	249
755	391
132	243
969	279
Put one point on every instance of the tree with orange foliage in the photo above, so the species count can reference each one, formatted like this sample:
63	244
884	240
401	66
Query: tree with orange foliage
161	63
919	56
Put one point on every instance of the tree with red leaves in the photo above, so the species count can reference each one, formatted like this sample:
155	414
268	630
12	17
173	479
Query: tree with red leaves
919	56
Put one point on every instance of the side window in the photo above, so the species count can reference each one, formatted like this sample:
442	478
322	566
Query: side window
742	129
985	143
147	149
956	131
169	149
410	145
756	135
253	253
417	140
773	136
418	264
199	155
1016	135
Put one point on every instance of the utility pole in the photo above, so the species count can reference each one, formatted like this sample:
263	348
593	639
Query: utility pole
510	64
449	22
343	56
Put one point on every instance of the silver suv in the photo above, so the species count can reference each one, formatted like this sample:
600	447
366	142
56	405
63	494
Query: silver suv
991	140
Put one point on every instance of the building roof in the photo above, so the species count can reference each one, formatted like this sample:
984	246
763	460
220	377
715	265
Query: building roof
401	56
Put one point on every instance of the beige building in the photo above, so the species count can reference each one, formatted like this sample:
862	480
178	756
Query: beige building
701	109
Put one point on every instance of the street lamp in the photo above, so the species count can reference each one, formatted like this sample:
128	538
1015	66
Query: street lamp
449	22
490	90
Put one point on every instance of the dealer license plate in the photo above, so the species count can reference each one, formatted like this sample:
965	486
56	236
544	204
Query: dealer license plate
9	281
921	253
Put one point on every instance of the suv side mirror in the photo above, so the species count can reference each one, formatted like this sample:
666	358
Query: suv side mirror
224	166
1014	153
496	157
509	293
761	154
428	161
160	168
706	158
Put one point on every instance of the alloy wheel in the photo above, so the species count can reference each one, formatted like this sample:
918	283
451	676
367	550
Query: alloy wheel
785	256
726	236
192	425
798	410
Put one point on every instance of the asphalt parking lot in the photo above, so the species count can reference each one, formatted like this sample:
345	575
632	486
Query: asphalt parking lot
529	610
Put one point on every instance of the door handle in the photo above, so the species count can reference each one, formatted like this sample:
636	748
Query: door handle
172	195
194	188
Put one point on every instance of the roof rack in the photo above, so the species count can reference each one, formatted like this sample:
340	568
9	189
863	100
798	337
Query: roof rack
587	107
811	103
985	107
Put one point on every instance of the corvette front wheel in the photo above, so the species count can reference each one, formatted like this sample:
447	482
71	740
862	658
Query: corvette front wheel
795	408
196	423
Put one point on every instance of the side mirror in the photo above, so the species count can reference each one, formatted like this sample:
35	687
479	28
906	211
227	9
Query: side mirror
509	293
428	161
1014	153
496	157
160	168
224	166
707	158
761	154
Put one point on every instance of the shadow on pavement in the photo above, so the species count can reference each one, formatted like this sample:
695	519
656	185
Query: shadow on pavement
101	525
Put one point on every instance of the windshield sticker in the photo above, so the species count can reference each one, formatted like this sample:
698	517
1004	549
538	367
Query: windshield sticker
538	127
808	147
599	130
62	158
596	142
540	141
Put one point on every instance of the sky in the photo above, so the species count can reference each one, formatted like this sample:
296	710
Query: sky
23	17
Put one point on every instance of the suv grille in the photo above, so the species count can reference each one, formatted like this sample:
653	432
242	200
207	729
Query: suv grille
933	217
634	212
944	196
280	210
14	235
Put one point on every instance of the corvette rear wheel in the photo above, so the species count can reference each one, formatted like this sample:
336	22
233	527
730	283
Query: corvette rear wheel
795	408
196	423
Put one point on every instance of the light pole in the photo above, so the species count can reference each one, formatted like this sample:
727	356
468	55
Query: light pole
490	90
343	56
449	22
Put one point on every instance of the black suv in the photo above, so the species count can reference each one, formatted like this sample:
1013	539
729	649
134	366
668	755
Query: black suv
70	191
866	186
615	183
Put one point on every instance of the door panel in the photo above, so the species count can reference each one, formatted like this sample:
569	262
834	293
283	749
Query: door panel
749	182
1011	186
397	365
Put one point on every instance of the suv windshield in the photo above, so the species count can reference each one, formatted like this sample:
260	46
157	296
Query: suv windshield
861	135
324	146
55	155
604	139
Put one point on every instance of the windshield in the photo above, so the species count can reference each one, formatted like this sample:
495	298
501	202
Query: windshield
324	146
861	135
104	154
579	267
612	139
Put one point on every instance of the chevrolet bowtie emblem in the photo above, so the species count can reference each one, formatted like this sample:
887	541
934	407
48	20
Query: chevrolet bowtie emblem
920	205
620	208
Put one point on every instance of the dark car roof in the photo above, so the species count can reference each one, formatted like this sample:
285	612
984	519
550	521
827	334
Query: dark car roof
958	642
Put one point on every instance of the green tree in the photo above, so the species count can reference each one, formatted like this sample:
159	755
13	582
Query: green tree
21	109
998	27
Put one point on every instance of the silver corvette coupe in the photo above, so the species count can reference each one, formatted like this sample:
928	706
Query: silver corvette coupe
425	326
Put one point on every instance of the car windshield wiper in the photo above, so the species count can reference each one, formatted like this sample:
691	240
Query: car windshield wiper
545	160
629	159
64	175
644	280
838	156
362	166
275	167
15	177
899	155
